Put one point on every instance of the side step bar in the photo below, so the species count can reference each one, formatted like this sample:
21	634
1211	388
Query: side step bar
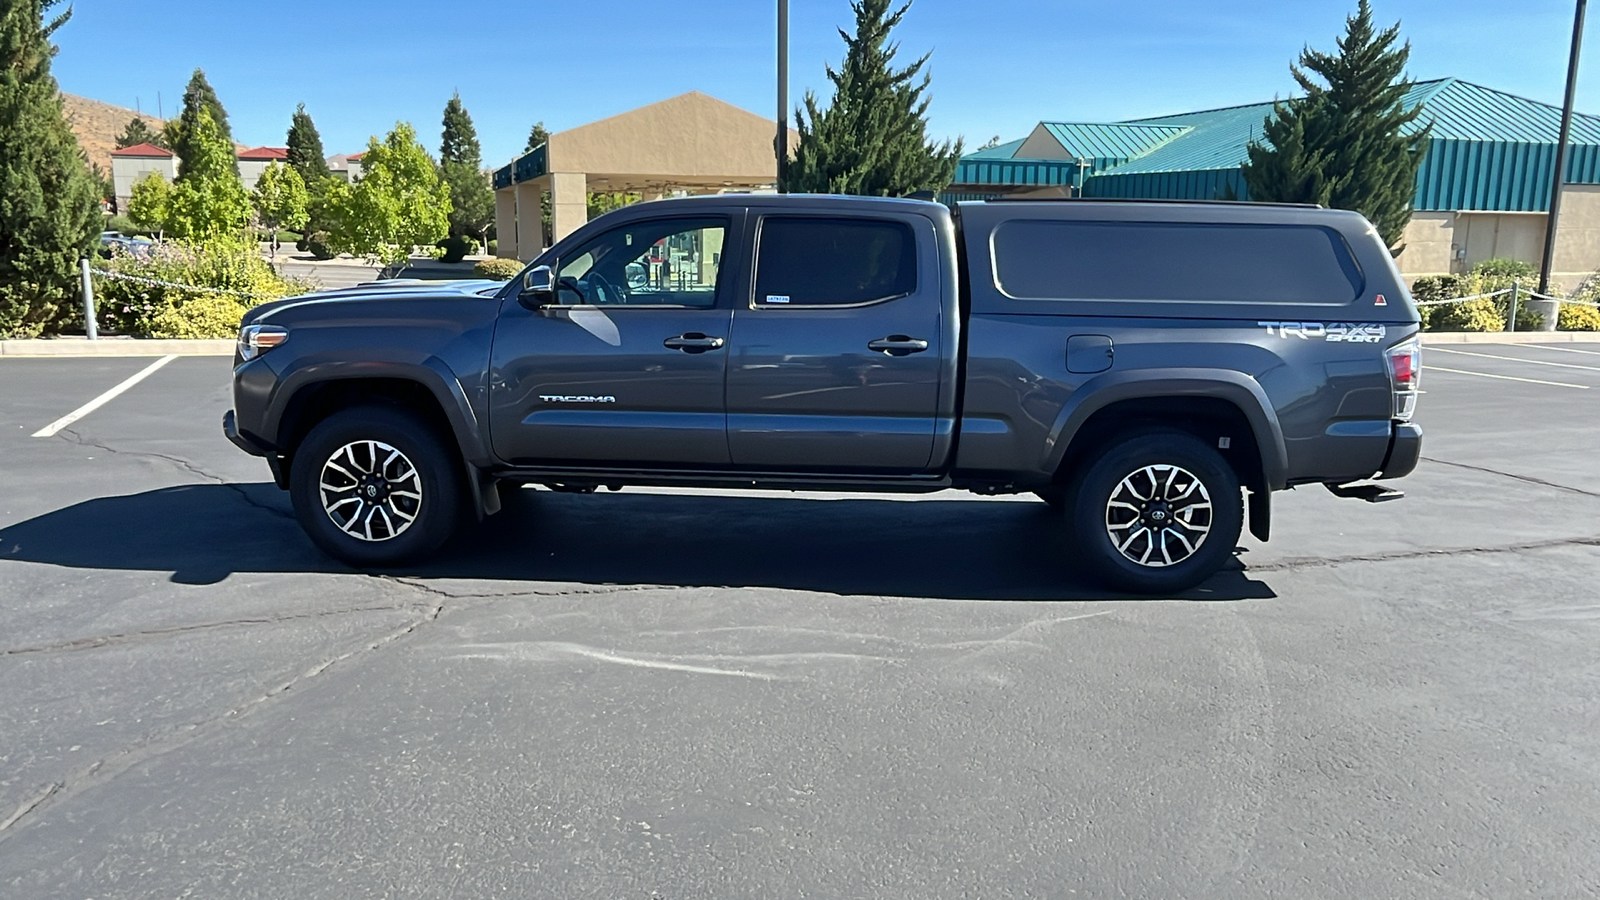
1372	493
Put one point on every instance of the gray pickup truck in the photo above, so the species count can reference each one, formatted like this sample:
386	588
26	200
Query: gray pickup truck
1151	370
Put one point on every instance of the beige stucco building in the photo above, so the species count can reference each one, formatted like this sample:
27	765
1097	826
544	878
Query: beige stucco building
130	164
691	143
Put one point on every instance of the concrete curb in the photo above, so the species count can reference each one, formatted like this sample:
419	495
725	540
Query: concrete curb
1511	337
79	347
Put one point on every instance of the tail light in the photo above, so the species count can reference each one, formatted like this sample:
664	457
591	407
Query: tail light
1405	373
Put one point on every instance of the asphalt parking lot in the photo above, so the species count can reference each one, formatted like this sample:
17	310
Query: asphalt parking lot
686	695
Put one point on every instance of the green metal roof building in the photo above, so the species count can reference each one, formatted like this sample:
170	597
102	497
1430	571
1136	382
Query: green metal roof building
1489	152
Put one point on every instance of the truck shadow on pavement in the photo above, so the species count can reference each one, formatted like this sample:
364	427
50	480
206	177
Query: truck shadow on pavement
933	548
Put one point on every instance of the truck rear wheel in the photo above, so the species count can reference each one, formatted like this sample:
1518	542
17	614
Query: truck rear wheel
1158	512
376	486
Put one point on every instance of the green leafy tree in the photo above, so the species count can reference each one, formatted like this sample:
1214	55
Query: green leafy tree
179	132
209	201
280	199
1345	144
138	131
399	203
150	202
105	187
602	202
49	214
305	148
536	136
873	138
461	167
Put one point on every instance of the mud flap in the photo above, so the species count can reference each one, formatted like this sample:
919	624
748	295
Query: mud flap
1261	514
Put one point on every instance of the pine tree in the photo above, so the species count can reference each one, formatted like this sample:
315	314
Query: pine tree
873	137
461	165
305	147
1345	143
197	96
138	132
48	211
536	136
208	199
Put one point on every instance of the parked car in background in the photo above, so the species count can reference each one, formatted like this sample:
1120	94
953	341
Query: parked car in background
112	241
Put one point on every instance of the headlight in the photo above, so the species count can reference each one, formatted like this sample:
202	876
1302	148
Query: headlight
255	340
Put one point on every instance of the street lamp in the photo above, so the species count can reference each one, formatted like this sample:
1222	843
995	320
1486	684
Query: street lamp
1561	151
783	94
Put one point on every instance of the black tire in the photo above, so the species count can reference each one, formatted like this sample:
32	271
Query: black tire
347	440
1197	531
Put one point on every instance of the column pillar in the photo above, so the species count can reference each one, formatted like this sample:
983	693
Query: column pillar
505	223
569	203
530	230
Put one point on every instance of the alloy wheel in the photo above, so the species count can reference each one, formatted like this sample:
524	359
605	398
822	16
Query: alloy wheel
1159	516
370	490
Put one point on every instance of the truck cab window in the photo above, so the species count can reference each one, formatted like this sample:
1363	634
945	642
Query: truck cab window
665	262
834	262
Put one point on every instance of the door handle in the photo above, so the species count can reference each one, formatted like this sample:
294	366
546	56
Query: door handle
898	345
693	342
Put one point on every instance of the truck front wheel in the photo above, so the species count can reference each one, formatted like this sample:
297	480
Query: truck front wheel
376	486
1158	512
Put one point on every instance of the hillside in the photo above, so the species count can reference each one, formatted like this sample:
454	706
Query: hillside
97	125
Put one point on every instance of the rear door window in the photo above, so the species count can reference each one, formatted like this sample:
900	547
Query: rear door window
806	261
1269	265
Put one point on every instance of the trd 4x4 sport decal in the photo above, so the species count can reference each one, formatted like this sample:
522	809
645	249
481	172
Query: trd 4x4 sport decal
1336	332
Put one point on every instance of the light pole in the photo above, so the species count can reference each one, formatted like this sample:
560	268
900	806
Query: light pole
783	94
1561	151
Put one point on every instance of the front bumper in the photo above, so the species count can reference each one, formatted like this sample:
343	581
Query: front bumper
1405	449
230	430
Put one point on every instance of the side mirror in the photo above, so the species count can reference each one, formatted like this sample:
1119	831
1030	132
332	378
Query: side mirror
538	287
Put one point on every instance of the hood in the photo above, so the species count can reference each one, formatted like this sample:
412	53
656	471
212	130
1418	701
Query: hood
389	290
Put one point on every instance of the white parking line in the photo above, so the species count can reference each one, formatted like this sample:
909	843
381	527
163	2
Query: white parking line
1562	349
1581	387
51	429
1531	362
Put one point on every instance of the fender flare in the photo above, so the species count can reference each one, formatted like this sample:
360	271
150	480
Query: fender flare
429	372
1237	388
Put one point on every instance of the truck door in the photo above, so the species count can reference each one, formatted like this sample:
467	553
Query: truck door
626	366
837	347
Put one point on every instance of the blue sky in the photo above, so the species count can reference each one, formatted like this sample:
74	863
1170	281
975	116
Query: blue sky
999	66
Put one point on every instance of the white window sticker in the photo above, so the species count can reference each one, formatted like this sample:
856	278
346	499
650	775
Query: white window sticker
777	298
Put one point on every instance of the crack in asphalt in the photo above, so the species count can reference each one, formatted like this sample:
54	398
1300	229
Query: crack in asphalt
109	768
1526	479
532	592
90	643
184	464
1314	562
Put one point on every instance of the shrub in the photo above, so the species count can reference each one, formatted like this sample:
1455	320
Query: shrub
147	310
497	269
1573	317
317	246
202	316
1507	269
494	246
1486	277
456	248
1469	315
